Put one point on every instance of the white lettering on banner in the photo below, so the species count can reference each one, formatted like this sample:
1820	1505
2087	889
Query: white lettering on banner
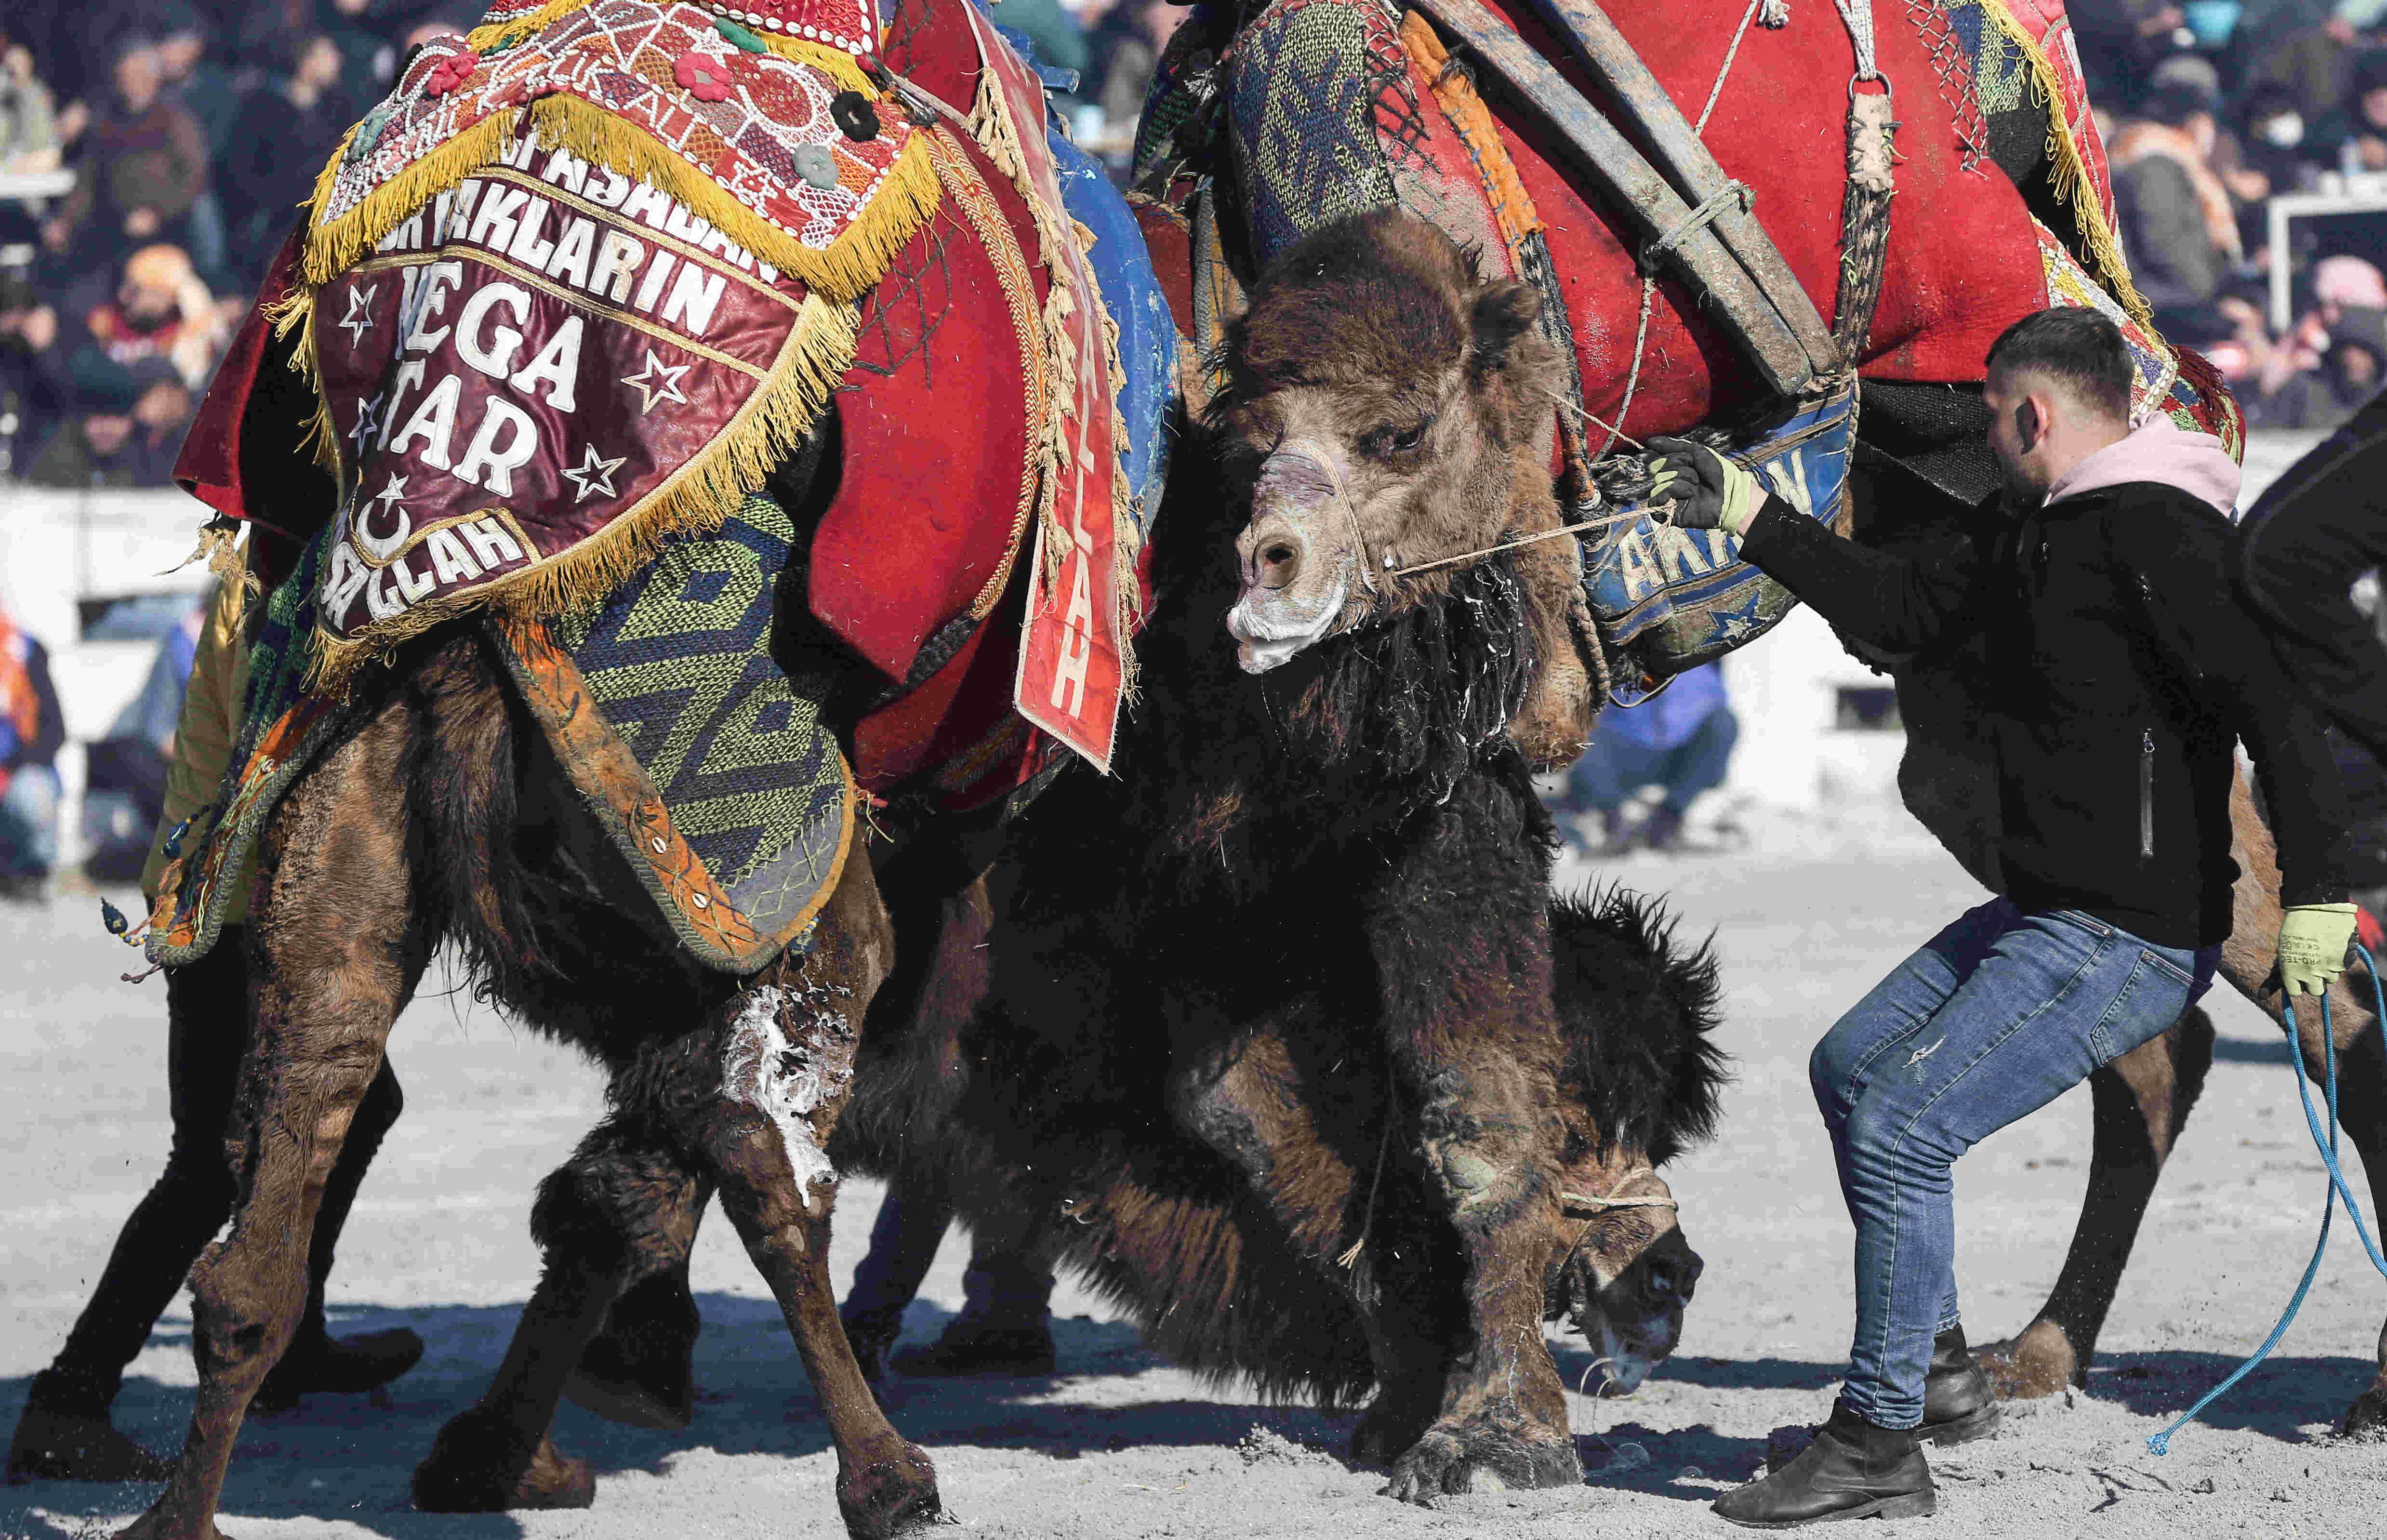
682	223
380	602
455	215
567	170
411	587
649	204
527	247
694	297
651	290
1076	627
501	212
618	257
409	375
1640	573
496	359
348	577
1677	549
572	251
430	298
491	541
617	187
434	422
490	464
557	365
448	561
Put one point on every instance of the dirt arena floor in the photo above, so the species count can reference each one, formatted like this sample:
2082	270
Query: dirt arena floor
1119	1444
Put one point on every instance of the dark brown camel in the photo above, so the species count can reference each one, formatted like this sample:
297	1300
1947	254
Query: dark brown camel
1054	1143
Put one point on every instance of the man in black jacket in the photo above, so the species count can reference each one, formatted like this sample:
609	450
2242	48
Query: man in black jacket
2119	673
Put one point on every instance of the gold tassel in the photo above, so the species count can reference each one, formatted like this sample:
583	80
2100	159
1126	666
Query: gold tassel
497	34
2068	177
850	264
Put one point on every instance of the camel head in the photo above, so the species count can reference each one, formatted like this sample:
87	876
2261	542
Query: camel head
1626	1274
1641	1081
1384	406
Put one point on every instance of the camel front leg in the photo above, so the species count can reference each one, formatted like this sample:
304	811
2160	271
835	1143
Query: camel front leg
1461	948
622	1209
2140	1100
787	1065
337	947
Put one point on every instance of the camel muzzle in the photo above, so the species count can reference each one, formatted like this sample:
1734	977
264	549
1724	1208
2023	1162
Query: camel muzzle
1295	558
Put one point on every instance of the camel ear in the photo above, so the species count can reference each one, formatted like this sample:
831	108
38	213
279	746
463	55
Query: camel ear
1505	309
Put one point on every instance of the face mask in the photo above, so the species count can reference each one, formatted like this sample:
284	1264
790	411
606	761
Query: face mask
2285	132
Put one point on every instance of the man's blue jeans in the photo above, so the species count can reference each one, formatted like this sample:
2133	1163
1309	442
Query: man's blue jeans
1996	1016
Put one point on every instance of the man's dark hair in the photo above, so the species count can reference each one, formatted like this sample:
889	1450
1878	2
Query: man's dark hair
2076	345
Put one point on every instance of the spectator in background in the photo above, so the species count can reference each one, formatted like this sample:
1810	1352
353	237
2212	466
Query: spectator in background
285	132
2348	374
1127	48
2354	137
28	130
30	735
2178	223
156	307
1059	40
127	433
32	394
1679	741
2340	285
142	165
2121	40
29	135
205	88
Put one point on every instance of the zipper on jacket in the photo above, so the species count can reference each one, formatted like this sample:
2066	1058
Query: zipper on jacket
2146	794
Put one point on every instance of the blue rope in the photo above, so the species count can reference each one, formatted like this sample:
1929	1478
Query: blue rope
2327	1145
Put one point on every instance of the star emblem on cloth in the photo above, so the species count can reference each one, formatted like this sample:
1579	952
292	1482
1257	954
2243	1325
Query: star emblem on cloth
390	496
657	382
368	419
594	474
359	320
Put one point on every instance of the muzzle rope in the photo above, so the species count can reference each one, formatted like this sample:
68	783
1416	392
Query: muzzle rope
2327	1145
1593	1208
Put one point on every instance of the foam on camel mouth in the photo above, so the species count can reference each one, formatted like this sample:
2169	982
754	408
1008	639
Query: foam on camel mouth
1270	628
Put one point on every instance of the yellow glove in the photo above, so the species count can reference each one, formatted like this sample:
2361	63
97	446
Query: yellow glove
1709	490
2313	939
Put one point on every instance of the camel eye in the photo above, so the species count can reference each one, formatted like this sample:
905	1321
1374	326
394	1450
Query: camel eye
1410	439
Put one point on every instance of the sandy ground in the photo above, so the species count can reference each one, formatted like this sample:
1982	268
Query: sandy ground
1119	1444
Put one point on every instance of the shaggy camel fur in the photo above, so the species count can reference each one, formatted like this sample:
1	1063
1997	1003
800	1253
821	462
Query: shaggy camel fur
1056	1140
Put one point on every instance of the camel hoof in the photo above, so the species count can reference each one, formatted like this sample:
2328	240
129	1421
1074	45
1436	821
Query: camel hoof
1479	1454
891	1497
2368	1417
2039	1362
462	1477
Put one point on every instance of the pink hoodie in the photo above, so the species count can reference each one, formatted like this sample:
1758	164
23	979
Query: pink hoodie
2158	449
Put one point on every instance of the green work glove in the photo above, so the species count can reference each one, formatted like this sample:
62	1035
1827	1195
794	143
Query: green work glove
2313	939
1709	491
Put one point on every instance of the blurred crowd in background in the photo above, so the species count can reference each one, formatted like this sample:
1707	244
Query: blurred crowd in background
193	128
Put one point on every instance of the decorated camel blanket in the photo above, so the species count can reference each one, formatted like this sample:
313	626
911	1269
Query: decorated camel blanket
1298	112
567	300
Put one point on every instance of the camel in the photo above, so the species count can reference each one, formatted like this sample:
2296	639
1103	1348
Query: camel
1391	768
1053	1140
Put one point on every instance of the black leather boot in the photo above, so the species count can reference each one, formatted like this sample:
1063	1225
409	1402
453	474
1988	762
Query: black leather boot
1852	1471
1958	1404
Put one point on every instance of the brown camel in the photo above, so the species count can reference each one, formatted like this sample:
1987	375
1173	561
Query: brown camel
1371	808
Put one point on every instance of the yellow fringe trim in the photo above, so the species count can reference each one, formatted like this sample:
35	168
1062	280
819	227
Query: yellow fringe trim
851	265
697	497
2069	170
828	58
497	34
990	125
